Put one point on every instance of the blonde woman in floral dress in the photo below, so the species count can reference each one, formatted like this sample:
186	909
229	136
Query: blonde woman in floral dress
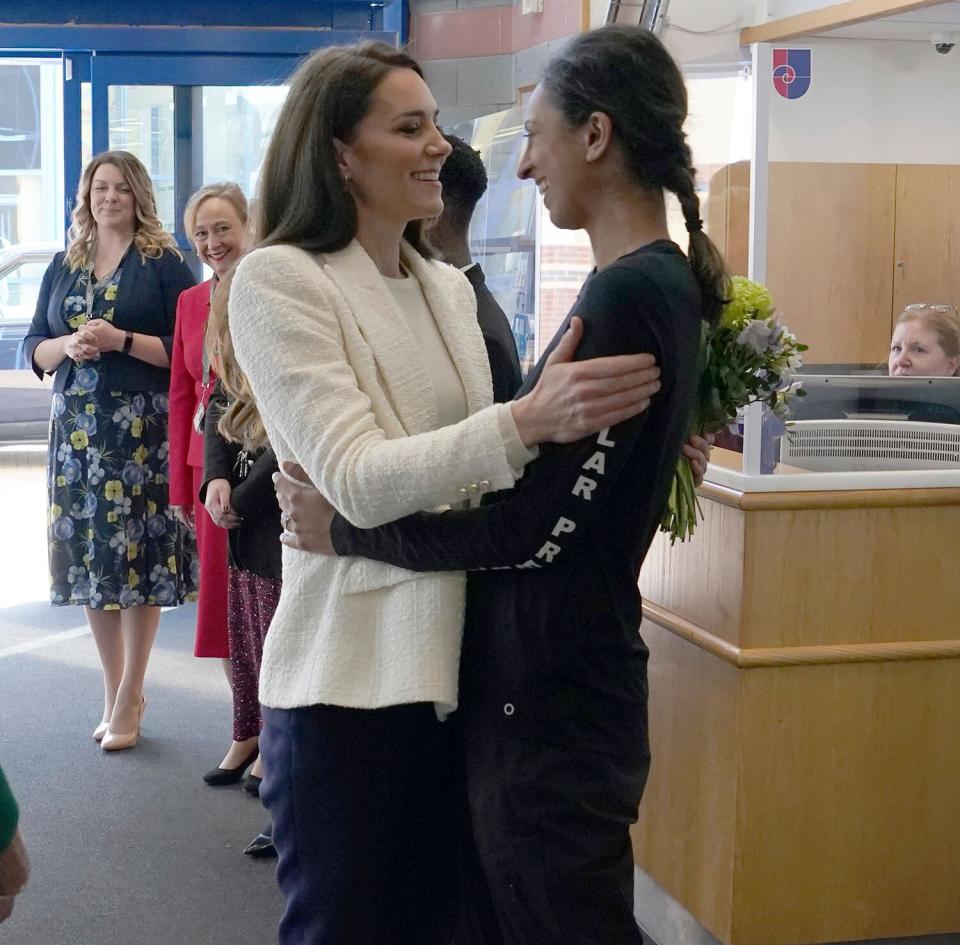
104	328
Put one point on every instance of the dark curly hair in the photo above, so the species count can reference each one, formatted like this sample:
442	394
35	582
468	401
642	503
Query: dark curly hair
464	180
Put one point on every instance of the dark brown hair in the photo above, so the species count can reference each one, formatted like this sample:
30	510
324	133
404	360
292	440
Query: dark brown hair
303	199
626	73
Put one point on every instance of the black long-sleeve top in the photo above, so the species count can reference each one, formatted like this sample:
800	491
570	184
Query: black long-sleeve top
254	545
551	648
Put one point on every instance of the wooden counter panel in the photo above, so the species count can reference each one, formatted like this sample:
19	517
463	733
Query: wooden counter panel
694	580
835	576
685	835
848	817
845	499
780	656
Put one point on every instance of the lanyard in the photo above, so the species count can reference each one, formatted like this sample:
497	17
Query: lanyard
203	349
91	286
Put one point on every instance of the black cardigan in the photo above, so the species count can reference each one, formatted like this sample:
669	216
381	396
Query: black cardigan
254	545
146	303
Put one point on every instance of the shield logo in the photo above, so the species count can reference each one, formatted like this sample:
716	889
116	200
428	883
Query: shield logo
791	71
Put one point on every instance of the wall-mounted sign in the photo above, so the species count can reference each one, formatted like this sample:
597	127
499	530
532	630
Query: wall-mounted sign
791	72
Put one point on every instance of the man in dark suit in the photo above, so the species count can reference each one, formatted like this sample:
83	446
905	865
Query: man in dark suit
464	181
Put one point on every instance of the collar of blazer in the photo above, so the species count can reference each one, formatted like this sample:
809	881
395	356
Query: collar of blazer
403	373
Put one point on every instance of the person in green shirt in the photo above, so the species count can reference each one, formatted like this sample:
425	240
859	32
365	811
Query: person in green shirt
14	867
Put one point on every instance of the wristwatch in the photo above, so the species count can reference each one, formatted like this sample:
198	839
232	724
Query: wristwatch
127	342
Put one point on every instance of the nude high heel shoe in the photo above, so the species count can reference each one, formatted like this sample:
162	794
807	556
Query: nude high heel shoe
118	741
100	731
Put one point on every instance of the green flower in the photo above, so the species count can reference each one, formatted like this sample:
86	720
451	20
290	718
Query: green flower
748	301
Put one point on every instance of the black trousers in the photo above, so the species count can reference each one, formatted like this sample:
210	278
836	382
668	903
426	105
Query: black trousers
361	807
550	862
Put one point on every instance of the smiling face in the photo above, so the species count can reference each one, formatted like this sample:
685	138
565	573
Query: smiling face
392	162
111	199
218	234
554	159
915	349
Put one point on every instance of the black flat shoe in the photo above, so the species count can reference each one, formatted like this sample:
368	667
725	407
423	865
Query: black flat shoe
251	784
261	847
218	777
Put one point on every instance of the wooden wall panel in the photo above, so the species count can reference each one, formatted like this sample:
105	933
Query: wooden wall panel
830	256
714	209
727	214
738	219
927	246
848	810
685	836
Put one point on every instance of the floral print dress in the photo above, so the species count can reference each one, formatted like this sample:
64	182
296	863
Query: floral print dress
113	541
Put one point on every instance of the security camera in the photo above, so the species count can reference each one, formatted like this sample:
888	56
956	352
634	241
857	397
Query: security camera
943	43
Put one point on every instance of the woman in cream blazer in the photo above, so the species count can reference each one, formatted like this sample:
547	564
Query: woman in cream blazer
361	354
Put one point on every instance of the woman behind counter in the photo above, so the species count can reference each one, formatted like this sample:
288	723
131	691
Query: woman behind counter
215	220
104	327
925	342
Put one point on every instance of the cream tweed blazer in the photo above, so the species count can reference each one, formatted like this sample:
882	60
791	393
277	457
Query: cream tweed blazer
342	388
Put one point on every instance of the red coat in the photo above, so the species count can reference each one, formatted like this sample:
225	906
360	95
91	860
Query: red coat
186	389
186	467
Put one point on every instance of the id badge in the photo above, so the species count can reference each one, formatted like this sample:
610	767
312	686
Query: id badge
198	416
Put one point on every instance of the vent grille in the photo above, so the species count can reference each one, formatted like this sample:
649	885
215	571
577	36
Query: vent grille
844	445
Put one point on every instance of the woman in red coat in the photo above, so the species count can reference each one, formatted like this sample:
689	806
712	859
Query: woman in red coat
215	220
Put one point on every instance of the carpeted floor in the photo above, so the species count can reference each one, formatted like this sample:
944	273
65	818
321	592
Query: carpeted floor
130	848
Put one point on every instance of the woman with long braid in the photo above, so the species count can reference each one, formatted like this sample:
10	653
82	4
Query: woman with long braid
553	684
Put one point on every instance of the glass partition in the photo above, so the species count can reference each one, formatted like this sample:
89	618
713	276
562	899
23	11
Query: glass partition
237	124
858	197
536	270
141	121
503	231
31	227
31	152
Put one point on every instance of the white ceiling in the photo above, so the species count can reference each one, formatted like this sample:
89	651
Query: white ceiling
918	25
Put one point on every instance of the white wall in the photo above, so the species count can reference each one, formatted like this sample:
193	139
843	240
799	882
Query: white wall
777	9
690	35
871	102
702	16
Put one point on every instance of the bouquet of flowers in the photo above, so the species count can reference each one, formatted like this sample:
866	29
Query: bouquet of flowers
747	357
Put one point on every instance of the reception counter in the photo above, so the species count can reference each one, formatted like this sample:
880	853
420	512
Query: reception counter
805	709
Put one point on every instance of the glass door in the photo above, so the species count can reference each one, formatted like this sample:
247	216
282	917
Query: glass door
192	120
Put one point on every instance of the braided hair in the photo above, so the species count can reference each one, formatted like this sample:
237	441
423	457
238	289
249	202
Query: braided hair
626	73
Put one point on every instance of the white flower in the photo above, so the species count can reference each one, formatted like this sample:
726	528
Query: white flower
756	336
